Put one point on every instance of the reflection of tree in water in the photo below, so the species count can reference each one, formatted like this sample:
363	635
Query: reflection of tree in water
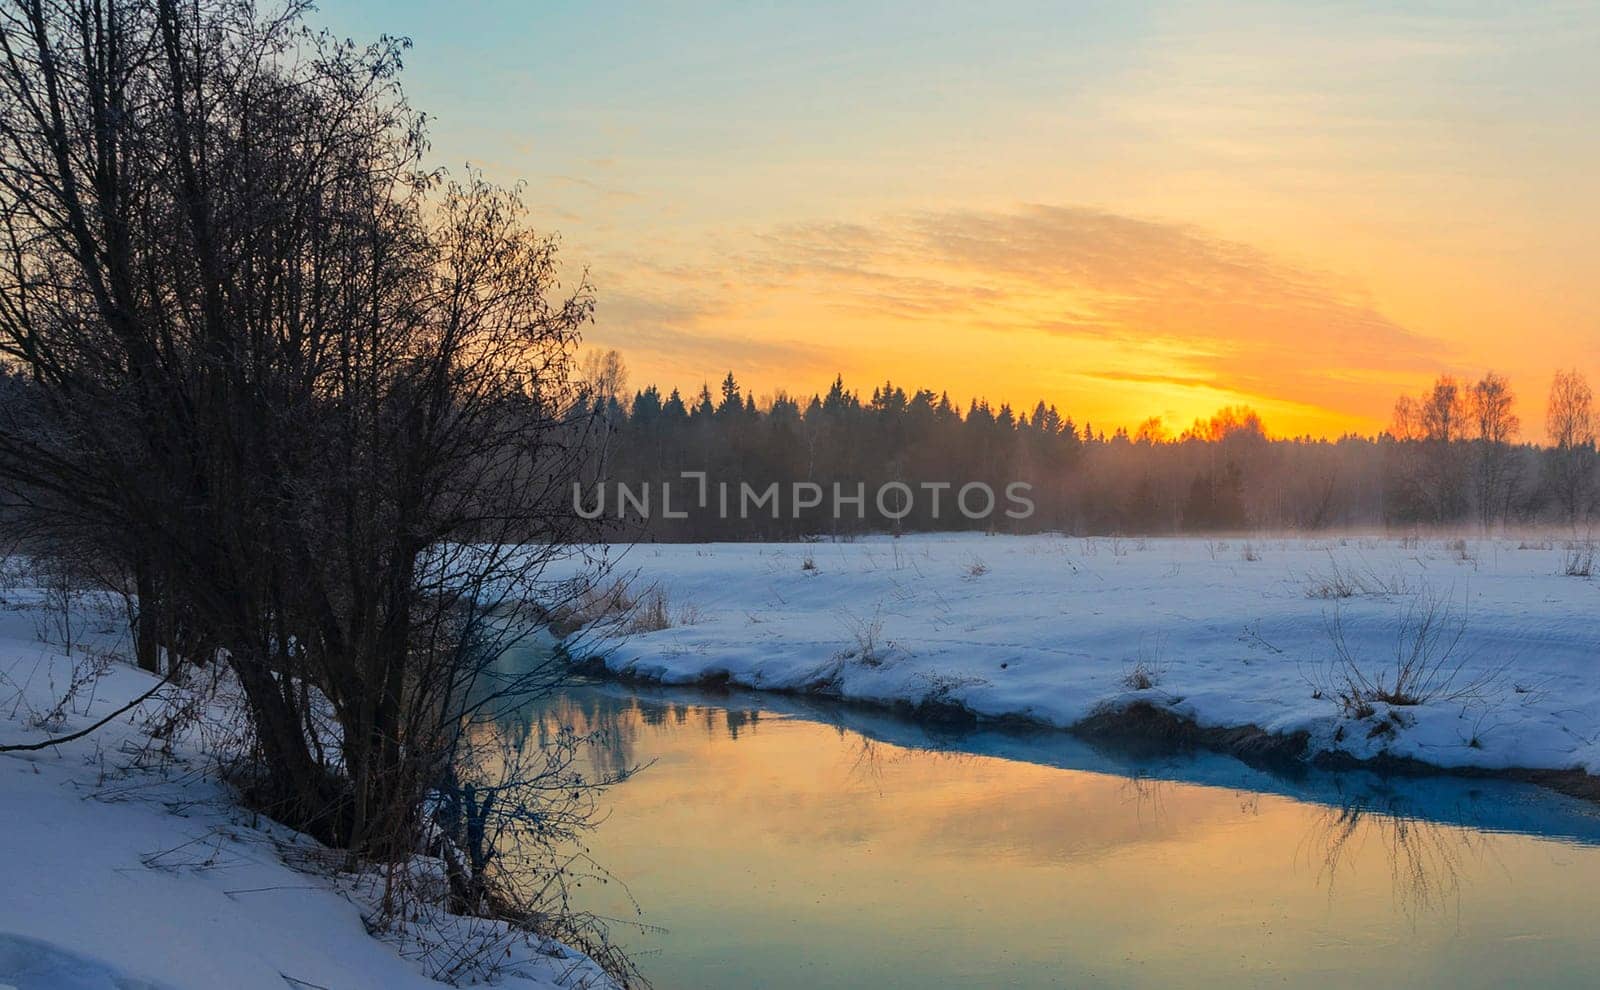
653	715
610	726
869	757
866	763
738	718
1425	858
1148	795
718	721
615	724
510	823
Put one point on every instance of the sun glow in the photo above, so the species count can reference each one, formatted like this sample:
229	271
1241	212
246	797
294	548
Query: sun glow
1128	211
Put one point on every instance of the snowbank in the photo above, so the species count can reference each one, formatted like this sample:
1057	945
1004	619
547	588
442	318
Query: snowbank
1223	633
127	868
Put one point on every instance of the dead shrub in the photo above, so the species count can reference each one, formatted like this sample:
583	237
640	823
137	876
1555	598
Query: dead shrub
1428	662
1148	667
1577	559
616	609
1343	580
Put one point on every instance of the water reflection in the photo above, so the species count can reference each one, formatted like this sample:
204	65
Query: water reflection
786	843
1426	859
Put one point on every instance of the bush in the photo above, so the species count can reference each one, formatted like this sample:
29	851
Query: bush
1148	667
871	648
615	609
1344	581
1578	559
1428	663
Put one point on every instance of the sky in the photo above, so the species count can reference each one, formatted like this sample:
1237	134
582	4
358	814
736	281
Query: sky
1124	209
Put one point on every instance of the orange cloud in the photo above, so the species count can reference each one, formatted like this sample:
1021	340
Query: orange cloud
1110	316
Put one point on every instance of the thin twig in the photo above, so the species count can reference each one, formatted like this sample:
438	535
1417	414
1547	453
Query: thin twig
69	737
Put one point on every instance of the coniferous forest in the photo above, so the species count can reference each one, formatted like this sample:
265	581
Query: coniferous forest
1453	456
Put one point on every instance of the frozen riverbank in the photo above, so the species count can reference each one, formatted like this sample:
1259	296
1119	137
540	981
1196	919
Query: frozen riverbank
1306	638
128	864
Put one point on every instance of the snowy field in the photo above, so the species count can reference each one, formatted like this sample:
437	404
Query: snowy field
130	867
128	864
1501	647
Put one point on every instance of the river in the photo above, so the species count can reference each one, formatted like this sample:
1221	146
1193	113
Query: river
780	843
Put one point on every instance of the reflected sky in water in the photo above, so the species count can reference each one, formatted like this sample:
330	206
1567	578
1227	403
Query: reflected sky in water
785	844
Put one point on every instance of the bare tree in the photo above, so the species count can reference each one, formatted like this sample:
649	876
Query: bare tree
1570	425
314	397
605	377
1430	469
1489	409
1443	411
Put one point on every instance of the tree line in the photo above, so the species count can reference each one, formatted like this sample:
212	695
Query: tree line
1452	456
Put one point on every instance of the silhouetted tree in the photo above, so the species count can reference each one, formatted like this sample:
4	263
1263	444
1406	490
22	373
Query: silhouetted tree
1495	425
313	398
1570	424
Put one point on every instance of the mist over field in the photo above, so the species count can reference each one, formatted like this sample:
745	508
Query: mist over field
1454	458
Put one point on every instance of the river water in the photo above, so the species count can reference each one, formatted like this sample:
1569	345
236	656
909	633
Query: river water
780	843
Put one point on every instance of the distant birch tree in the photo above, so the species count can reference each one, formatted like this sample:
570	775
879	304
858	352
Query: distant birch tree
1494	425
1570	425
1429	471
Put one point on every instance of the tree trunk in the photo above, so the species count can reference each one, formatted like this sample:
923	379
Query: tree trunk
147	627
299	792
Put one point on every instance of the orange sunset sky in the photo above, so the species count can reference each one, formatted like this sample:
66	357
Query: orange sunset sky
1126	209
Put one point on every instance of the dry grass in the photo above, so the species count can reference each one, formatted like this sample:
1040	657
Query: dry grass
1149	667
617	608
1343	580
1577	558
1140	678
871	648
650	615
1429	662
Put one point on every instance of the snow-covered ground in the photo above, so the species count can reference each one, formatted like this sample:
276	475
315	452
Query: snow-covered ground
125	867
128	866
1222	632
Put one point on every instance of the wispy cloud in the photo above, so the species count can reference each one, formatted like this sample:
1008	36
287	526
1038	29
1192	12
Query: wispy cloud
1179	306
1090	304
691	337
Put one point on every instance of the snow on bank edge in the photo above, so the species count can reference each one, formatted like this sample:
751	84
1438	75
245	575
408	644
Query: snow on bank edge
146	878
1223	633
